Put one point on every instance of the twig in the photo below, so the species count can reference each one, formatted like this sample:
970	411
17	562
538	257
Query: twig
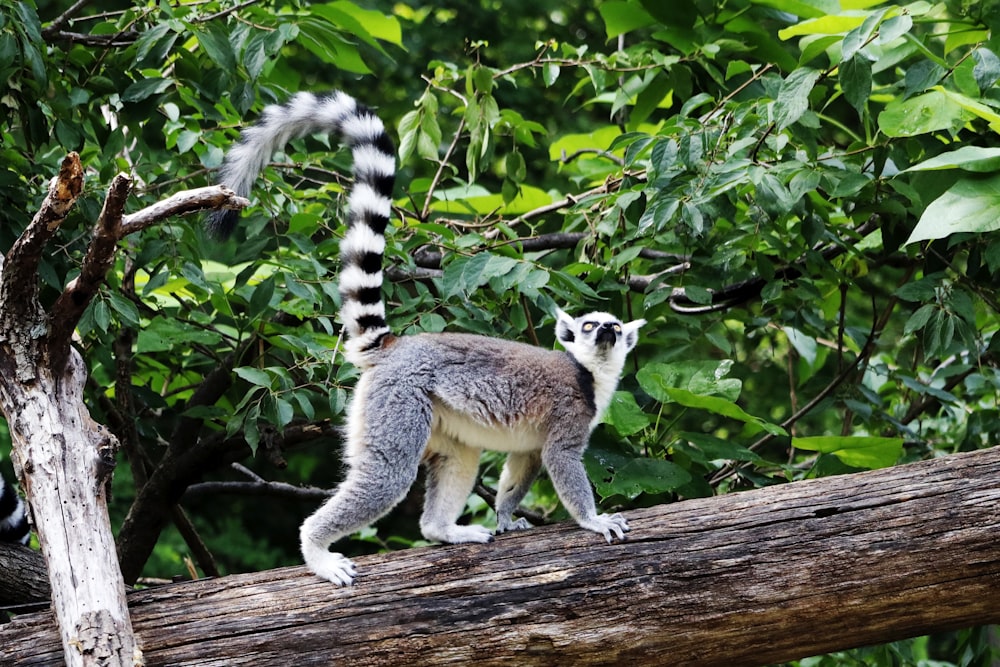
80	291
425	212
67	15
197	546
212	197
265	488
491	499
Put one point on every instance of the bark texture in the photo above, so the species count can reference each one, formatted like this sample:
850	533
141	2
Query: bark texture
23	577
63	457
747	579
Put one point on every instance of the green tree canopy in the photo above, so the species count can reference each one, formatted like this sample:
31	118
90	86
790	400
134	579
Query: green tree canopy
800	196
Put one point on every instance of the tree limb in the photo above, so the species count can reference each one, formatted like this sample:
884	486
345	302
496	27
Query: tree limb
80	291
23	577
212	197
19	272
752	578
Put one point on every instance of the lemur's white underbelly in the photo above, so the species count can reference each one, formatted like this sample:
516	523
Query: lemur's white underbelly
455	426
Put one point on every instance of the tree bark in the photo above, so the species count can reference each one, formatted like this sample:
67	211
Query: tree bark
65	458
749	578
23	577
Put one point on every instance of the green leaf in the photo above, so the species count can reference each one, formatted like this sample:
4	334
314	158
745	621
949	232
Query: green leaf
621	17
144	88
856	80
974	107
153	45
550	72
823	25
793	97
688	384
926	113
894	28
970	205
127	311
969	158
857	37
373	24
710	448
617	474
649	476
809	9
919	319
700	377
720	406
922	76
215	42
254	376
255	55
283	412
867	452
162	334
625	415
261	299
987	69
323	41
919	291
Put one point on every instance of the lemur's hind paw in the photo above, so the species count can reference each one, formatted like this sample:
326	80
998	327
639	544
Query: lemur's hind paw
509	524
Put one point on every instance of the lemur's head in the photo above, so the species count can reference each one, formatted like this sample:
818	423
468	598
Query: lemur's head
597	339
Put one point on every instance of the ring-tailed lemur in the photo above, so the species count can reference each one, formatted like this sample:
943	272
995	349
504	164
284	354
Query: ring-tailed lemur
13	522
439	398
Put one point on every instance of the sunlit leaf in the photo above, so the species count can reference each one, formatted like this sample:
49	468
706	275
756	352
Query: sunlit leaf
868	452
970	205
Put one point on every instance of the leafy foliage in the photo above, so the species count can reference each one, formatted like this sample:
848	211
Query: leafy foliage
799	195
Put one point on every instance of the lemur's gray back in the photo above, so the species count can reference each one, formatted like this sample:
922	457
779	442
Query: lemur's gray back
369	205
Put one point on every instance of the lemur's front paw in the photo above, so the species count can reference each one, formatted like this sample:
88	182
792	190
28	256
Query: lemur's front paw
612	526
335	568
508	523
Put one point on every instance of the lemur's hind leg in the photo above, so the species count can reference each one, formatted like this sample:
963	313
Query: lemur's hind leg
451	473
383	466
519	471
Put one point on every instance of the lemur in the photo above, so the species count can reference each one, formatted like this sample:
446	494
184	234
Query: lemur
441	398
13	522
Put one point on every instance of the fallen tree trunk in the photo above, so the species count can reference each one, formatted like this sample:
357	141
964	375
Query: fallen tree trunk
749	578
23	577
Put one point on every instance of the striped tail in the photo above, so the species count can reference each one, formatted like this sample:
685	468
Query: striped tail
369	205
13	522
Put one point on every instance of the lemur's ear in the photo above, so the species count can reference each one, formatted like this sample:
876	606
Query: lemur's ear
565	327
631	331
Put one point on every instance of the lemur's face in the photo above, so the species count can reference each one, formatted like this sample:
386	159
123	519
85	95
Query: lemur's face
600	332
597	337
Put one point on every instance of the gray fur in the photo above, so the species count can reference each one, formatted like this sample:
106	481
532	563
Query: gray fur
442	399
439	399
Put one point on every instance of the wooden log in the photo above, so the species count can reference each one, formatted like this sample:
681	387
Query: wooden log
750	578
23	577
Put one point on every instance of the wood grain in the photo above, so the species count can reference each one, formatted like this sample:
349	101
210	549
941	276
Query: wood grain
745	579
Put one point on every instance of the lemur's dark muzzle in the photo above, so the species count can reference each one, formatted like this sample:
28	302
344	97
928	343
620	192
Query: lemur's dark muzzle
606	334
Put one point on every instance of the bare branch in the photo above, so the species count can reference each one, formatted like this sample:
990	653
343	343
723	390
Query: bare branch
212	197
264	488
18	280
64	18
68	308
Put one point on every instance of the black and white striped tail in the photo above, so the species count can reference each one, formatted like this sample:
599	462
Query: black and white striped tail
13	522
369	205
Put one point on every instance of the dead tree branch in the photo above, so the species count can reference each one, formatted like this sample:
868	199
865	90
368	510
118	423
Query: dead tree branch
749	578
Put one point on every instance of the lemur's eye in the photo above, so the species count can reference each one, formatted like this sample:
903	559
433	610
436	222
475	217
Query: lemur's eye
589	326
618	328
